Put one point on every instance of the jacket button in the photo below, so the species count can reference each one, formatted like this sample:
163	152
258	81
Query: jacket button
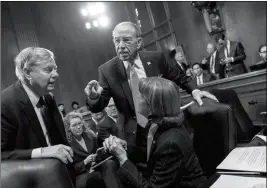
134	117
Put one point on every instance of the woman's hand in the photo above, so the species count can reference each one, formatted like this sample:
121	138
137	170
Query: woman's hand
89	159
116	149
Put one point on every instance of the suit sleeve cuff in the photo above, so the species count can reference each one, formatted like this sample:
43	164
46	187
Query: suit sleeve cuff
36	153
195	90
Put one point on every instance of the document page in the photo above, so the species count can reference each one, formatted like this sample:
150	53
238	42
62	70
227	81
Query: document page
252	159
228	181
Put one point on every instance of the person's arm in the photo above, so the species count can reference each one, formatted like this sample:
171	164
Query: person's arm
241	56
9	128
99	103
173	72
167	169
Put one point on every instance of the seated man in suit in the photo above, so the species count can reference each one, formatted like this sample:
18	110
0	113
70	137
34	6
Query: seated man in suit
231	55
96	118
212	63
107	126
31	125
179	57
201	76
262	64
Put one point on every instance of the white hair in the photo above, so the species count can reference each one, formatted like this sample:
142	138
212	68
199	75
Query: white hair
134	26
28	57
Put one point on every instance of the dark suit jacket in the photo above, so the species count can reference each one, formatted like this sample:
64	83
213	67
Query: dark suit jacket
21	131
172	161
92	125
105	128
80	153
219	69
113	79
207	77
237	51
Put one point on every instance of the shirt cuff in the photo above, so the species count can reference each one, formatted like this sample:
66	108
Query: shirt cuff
195	90
261	137
36	153
232	59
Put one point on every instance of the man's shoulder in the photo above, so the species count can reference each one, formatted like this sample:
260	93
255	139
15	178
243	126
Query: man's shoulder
110	63
8	94
151	53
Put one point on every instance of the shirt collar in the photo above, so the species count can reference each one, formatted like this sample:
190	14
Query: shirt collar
137	62
34	98
200	75
94	121
112	118
214	53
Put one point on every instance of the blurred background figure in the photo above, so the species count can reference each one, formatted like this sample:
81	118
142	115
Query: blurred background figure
212	62
75	106
180	59
62	110
107	126
201	77
96	118
189	72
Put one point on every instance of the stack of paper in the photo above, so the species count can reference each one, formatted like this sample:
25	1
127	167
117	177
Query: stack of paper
244	160
228	181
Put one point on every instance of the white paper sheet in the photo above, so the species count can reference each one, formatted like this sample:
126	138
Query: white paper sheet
228	181
251	159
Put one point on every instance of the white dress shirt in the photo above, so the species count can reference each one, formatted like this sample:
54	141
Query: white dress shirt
114	119
212	63
34	98
227	51
199	79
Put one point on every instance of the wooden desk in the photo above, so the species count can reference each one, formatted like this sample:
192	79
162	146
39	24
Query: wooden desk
249	86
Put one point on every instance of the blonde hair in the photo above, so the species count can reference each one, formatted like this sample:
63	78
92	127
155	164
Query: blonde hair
73	115
162	96
28	57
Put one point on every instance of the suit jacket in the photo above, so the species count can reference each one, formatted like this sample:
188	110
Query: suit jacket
92	125
207	77
219	69
80	153
172	161
105	128
21	131
237	51
113	79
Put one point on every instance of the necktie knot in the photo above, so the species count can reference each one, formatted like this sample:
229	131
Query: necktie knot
41	102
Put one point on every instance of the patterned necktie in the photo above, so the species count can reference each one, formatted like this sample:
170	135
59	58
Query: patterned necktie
212	64
134	83
150	137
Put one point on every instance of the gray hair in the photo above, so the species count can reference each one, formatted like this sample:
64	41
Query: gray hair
28	58
134	26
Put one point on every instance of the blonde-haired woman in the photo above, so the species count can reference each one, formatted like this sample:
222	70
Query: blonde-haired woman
171	161
84	145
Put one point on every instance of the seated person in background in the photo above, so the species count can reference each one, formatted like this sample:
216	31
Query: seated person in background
232	55
31	125
107	126
262	64
96	118
75	106
212	63
84	144
61	109
171	161
179	57
201	76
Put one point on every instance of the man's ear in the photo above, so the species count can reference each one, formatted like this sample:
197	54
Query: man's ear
139	43
26	73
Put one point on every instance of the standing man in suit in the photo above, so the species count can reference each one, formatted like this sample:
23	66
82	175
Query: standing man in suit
107	126
201	77
231	55
31	125
212	63
119	78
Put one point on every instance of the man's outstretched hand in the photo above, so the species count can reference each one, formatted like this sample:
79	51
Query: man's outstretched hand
198	95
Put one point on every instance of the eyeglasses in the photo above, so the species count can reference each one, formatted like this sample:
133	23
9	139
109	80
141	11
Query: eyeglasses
125	40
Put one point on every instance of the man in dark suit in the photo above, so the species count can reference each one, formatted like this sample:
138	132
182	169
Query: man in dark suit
231	55
212	63
201	77
96	118
107	126
262	64
31	125
116	78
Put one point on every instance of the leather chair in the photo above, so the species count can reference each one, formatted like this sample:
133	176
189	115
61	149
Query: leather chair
215	132
35	173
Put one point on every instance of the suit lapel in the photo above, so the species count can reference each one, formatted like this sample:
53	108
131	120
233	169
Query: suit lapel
29	112
148	66
122	78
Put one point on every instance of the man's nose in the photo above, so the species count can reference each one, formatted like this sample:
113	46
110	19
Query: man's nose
55	74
